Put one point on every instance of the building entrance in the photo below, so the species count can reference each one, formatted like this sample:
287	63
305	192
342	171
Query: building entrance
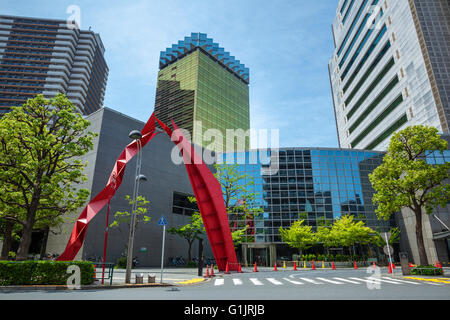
263	254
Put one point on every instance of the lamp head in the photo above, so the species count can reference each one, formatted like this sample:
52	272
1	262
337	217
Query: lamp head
135	135
141	177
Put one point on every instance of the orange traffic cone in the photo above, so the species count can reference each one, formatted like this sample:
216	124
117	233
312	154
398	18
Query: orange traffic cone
390	268
393	265
313	266
295	266
212	271
440	265
275	267
374	265
227	270
334	267
435	264
207	272
239	268
255	269
356	267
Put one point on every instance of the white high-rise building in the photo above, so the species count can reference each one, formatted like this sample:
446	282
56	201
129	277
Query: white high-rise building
50	56
390	69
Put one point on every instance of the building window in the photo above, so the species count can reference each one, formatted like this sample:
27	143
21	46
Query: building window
182	205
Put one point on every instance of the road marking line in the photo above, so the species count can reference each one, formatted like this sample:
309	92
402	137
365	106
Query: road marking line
191	281
256	282
219	282
311	281
292	281
328	280
383	280
401	280
346	280
374	281
276	282
237	282
430	281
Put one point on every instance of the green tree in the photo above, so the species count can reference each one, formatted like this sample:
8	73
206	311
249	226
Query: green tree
348	232
40	146
240	200
298	236
406	180
190	232
124	217
380	241
239	236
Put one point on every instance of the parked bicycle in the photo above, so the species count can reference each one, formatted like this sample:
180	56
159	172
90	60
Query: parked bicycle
177	262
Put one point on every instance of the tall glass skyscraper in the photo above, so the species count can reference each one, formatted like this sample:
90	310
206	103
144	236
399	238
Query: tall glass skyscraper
49	56
390	69
317	185
202	87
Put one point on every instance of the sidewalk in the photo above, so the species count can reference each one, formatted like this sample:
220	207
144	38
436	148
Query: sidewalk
171	276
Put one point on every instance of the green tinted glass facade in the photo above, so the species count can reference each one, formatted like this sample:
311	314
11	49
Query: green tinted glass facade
200	93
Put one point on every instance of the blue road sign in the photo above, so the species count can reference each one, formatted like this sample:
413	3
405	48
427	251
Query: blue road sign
162	221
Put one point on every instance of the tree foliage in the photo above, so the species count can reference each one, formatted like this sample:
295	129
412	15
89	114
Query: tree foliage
124	217
380	241
344	232
348	232
406	180
190	232
298	236
40	146
240	201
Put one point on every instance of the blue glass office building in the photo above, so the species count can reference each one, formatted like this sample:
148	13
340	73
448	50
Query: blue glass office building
317	185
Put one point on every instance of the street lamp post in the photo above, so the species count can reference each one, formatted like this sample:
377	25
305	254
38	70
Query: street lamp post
136	135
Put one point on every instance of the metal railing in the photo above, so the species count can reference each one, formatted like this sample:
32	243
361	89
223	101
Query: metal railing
108	272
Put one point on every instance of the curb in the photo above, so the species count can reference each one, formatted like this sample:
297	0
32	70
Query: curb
89	287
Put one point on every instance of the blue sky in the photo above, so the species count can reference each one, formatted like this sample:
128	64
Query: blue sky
286	45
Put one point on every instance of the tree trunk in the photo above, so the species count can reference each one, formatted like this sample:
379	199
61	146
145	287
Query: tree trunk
189	250
25	240
7	240
44	243
423	259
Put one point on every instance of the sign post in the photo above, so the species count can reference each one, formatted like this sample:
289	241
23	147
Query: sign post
387	235
162	222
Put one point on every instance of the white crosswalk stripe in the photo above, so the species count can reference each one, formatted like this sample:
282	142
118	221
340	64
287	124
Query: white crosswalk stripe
292	281
317	281
384	280
346	280
330	281
399	280
276	282
369	280
256	282
310	281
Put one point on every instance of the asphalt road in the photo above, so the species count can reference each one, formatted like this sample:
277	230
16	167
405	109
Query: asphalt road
346	284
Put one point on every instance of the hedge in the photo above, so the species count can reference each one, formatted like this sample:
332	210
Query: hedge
43	272
426	271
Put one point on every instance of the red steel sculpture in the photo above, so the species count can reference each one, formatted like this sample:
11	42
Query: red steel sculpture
207	190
